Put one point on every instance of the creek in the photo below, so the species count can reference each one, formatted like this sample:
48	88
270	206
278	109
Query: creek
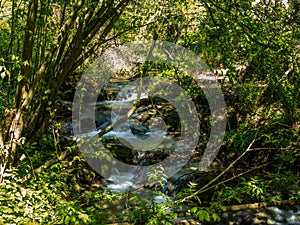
124	141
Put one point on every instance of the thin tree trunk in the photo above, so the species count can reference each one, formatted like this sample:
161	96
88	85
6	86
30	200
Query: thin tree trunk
30	115
14	119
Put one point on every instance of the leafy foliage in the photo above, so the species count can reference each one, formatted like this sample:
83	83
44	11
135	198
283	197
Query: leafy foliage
44	50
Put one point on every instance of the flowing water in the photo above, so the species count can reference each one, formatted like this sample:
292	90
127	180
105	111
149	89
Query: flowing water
137	132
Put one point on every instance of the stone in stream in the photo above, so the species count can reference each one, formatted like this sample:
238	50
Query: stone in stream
139	128
269	215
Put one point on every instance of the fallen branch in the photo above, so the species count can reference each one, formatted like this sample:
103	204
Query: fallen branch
259	205
234	177
189	219
46	165
132	110
265	148
217	177
118	122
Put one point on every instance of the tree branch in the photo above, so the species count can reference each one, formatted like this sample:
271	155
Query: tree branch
46	165
211	14
101	42
259	205
234	177
132	110
24	83
217	177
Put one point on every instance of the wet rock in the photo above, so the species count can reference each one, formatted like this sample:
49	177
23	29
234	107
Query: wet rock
269	215
138	128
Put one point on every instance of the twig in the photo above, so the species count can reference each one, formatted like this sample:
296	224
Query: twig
121	120
216	178
46	165
234	177
286	149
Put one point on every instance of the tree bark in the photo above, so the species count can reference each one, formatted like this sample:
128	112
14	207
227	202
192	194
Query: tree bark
14	118
29	118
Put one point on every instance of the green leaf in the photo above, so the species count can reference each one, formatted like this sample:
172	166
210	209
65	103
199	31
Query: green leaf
206	216
3	75
26	63
216	217
194	210
84	217
67	219
20	77
197	198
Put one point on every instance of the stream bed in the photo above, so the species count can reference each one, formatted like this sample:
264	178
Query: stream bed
122	181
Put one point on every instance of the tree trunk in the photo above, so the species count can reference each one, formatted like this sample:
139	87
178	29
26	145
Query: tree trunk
29	118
